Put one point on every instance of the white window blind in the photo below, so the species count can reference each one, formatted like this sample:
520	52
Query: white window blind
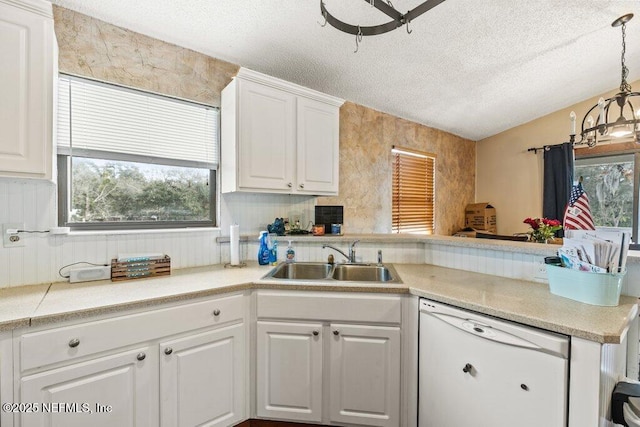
101	117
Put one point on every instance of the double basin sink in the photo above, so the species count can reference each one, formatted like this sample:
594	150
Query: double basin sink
316	271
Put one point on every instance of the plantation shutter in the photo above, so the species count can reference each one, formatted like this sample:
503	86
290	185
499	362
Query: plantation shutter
113	120
413	192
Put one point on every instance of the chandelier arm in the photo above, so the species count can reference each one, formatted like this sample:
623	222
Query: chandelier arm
420	9
601	127
633	110
585	132
584	119
356	29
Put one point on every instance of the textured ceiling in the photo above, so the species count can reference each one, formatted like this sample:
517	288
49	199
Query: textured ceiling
470	67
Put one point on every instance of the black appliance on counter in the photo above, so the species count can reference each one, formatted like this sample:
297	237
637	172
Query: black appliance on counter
329	215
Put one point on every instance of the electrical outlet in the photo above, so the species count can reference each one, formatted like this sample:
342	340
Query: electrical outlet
540	270
12	240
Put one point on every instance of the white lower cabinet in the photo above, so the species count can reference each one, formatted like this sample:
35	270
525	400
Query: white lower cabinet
330	369
180	366
201	379
289	370
115	390
364	383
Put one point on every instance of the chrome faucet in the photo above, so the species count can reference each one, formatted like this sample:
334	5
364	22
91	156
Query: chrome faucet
352	251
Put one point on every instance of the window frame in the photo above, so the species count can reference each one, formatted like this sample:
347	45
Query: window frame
64	186
64	163
608	151
397	224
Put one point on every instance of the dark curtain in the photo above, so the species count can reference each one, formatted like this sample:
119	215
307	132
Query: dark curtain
558	178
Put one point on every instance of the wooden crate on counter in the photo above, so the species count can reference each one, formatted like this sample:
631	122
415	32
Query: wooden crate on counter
140	268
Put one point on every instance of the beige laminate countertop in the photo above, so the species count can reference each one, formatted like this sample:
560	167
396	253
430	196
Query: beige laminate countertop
525	302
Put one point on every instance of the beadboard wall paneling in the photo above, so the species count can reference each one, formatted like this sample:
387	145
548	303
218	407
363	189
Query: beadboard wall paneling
407	253
498	263
33	202
254	211
42	255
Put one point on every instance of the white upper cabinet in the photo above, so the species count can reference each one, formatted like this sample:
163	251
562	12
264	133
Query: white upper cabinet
278	137
318	134
266	153
28	54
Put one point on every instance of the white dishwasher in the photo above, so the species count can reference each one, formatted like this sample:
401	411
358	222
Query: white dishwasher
477	371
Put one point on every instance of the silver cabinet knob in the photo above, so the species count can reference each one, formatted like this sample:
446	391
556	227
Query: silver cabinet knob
316	333
74	343
301	185
336	332
216	312
141	356
290	184
168	351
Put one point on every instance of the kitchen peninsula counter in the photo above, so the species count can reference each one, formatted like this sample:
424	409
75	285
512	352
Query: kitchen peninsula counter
521	301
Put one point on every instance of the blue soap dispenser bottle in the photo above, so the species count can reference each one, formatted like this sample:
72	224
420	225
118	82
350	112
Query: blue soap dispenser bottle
264	254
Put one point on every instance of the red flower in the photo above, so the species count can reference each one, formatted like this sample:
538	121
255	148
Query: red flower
551	222
542	229
532	223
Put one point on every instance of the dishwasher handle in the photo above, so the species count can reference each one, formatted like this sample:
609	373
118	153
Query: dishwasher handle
481	330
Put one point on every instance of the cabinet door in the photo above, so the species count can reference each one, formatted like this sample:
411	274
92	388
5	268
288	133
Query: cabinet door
318	146
117	390
365	375
266	148
289	371
202	379
26	91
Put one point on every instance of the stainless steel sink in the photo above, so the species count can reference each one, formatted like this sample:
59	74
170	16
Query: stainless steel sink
362	273
317	271
302	271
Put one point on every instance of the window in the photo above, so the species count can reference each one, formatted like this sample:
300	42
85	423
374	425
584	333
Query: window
611	182
413	191
132	159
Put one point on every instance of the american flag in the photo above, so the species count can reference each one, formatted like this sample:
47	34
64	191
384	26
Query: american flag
577	215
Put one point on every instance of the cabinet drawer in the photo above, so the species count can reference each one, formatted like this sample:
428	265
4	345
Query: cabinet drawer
70	342
330	307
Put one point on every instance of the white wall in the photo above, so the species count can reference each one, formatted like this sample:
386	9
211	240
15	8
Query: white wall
510	177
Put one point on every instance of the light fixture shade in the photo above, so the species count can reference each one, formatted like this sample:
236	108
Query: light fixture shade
621	128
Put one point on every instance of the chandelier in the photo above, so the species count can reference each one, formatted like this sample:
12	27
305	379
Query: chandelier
385	6
617	118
